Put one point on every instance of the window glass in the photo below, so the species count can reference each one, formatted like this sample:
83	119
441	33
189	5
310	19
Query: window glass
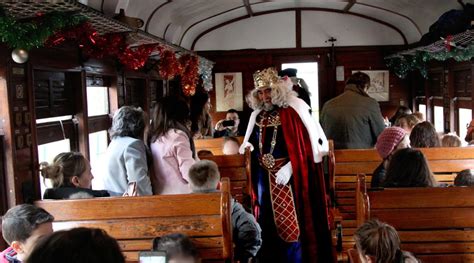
98	143
438	118
97	101
465	117
422	109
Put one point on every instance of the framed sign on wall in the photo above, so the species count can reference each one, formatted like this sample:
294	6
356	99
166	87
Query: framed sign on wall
229	91
379	86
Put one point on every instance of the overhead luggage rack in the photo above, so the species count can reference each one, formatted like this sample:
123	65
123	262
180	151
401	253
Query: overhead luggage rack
22	9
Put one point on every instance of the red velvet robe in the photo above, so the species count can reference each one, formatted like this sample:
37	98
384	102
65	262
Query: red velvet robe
310	191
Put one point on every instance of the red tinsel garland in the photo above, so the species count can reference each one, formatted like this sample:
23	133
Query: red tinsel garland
190	74
169	66
104	46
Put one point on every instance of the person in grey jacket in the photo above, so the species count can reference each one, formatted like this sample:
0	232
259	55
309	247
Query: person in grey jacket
126	158
353	119
204	177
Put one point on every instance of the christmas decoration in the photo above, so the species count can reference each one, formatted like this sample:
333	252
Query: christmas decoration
105	46
401	65
19	55
168	66
189	76
33	33
205	71
55	28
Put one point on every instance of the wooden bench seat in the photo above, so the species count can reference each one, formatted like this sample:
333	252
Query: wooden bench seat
237	169
436	224
214	145
135	221
344	165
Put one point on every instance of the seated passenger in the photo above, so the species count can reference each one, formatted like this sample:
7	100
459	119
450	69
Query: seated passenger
178	248
126	156
389	141
378	242
228	126
204	177
407	122
470	133
424	135
465	178
71	177
204	153
420	115
409	168
171	145
402	111
77	245
22	226
450	140
230	146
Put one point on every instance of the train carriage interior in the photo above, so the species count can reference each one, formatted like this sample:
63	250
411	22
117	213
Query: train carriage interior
208	78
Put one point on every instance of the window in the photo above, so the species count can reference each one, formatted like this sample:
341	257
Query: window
438	118
465	117
98	142
99	123
97	101
422	109
309	73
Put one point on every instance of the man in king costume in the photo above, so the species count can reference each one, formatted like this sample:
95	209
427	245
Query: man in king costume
289	193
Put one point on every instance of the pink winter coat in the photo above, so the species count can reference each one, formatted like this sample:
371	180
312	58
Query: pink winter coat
172	158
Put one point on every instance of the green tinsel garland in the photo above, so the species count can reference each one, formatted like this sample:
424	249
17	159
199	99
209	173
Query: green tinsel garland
403	64
34	33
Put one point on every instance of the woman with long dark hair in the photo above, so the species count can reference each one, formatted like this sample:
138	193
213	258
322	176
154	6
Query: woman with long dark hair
424	135
171	145
409	168
201	122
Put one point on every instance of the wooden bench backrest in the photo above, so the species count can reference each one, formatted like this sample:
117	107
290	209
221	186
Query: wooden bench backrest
237	169
437	224
135	221
214	145
444	162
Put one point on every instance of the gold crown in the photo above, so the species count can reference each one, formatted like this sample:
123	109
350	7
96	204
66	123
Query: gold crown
265	78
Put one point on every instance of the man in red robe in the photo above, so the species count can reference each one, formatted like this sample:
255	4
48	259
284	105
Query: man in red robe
289	189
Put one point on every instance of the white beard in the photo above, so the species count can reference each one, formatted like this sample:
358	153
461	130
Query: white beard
268	106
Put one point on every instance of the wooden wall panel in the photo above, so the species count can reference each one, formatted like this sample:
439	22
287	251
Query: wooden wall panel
352	58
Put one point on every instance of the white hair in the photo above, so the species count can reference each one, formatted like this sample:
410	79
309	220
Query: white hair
281	91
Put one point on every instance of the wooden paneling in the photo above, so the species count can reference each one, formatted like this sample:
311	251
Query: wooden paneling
463	83
53	95
135	92
352	58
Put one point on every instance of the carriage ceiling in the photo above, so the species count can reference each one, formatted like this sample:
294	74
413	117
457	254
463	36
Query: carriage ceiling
186	22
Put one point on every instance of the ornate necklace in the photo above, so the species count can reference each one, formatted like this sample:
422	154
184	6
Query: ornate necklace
267	160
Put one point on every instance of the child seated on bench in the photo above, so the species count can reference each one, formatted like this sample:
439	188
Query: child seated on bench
204	177
71	177
22	226
465	178
77	245
230	146
178	248
379	242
